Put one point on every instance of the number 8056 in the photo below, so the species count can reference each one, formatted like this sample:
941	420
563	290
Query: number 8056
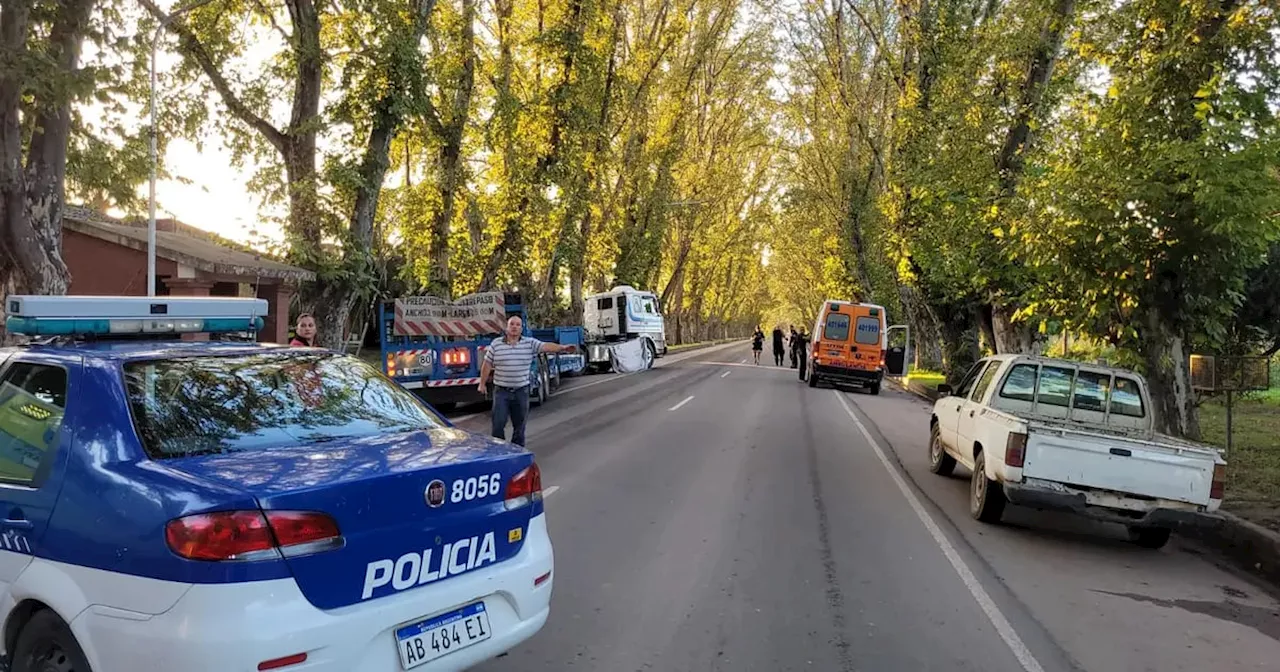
466	489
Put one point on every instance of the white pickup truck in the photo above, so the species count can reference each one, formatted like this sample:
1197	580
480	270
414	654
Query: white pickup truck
1055	434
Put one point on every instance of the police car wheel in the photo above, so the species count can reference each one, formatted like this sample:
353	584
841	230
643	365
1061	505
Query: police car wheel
47	645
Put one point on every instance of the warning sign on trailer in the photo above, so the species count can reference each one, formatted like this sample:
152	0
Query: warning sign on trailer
471	315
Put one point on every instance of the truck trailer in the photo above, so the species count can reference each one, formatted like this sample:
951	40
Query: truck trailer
434	347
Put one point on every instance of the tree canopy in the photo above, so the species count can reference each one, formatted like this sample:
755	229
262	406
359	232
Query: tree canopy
994	172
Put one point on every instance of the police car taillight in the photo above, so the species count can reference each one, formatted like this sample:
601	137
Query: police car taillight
251	535
524	488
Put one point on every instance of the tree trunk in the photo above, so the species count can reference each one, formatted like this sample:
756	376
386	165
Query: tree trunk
1168	375
33	196
1013	337
440	281
331	301
960	345
1009	162
924	328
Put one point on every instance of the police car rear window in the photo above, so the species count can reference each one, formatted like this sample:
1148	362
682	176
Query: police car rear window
199	405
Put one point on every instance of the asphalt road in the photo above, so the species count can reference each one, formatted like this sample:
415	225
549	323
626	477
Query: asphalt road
714	515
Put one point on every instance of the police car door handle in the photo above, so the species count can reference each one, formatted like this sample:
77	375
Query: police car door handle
19	523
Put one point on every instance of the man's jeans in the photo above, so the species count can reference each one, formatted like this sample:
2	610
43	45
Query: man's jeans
513	404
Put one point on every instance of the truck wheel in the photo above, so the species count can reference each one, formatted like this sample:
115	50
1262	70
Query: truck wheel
542	386
875	388
47	645
1149	537
940	462
443	406
813	379
650	354
986	497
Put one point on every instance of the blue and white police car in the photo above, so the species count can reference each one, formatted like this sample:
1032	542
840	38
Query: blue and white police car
219	506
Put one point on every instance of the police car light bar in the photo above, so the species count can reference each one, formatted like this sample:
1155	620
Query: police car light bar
106	315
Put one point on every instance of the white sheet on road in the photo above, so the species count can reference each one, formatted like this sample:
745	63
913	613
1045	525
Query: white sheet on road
628	357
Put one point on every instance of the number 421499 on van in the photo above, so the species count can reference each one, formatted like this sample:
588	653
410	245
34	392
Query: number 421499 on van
851	346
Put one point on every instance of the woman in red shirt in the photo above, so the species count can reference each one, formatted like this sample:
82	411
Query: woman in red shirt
305	331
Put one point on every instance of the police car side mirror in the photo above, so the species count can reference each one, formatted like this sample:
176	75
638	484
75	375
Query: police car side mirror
944	390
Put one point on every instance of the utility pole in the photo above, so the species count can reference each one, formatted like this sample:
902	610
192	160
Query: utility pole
151	201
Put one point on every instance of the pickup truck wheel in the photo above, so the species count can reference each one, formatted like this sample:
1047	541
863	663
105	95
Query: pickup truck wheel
986	497
47	645
1149	537
940	462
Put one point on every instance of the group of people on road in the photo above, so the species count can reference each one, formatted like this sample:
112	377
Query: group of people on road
797	340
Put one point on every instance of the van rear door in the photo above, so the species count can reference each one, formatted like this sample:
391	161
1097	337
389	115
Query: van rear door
867	331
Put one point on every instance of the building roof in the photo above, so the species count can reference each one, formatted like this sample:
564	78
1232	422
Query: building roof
203	251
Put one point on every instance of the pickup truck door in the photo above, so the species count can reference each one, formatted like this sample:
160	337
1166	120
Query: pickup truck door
33	399
969	408
948	408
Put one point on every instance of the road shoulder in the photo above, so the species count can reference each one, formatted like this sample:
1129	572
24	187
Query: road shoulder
1107	603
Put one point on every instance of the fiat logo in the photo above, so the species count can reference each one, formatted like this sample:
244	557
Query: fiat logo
435	493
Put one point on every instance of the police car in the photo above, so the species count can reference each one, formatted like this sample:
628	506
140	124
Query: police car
170	504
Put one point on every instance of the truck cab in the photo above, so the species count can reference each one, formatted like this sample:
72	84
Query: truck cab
621	315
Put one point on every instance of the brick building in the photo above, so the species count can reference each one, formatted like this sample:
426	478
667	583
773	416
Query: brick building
108	256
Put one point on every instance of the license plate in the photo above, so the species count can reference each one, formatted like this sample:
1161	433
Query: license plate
422	642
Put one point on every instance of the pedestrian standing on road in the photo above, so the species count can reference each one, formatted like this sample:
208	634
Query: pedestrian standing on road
757	344
509	360
802	351
779	349
304	331
792	342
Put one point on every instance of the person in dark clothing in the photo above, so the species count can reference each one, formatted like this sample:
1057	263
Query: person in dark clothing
793	342
779	348
757	344
802	351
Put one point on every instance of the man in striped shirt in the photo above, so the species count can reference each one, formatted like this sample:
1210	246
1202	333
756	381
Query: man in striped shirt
509	359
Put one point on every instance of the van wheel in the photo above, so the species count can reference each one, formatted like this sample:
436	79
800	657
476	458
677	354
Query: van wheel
47	645
940	462
1149	537
986	497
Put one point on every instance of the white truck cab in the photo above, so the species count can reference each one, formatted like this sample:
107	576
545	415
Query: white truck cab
1057	434
623	314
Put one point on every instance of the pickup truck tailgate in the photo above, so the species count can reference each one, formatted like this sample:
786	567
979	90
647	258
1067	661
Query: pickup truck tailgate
1144	468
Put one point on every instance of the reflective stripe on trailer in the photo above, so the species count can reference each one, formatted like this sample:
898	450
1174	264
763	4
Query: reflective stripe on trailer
452	382
448	327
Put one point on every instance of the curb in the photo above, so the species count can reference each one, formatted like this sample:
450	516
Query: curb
1249	546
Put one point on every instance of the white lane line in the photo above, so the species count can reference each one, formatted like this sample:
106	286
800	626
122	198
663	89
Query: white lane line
743	360
997	618
464	418
760	367
677	406
547	492
726	374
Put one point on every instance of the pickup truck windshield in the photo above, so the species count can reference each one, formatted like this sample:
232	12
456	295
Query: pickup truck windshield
199	405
